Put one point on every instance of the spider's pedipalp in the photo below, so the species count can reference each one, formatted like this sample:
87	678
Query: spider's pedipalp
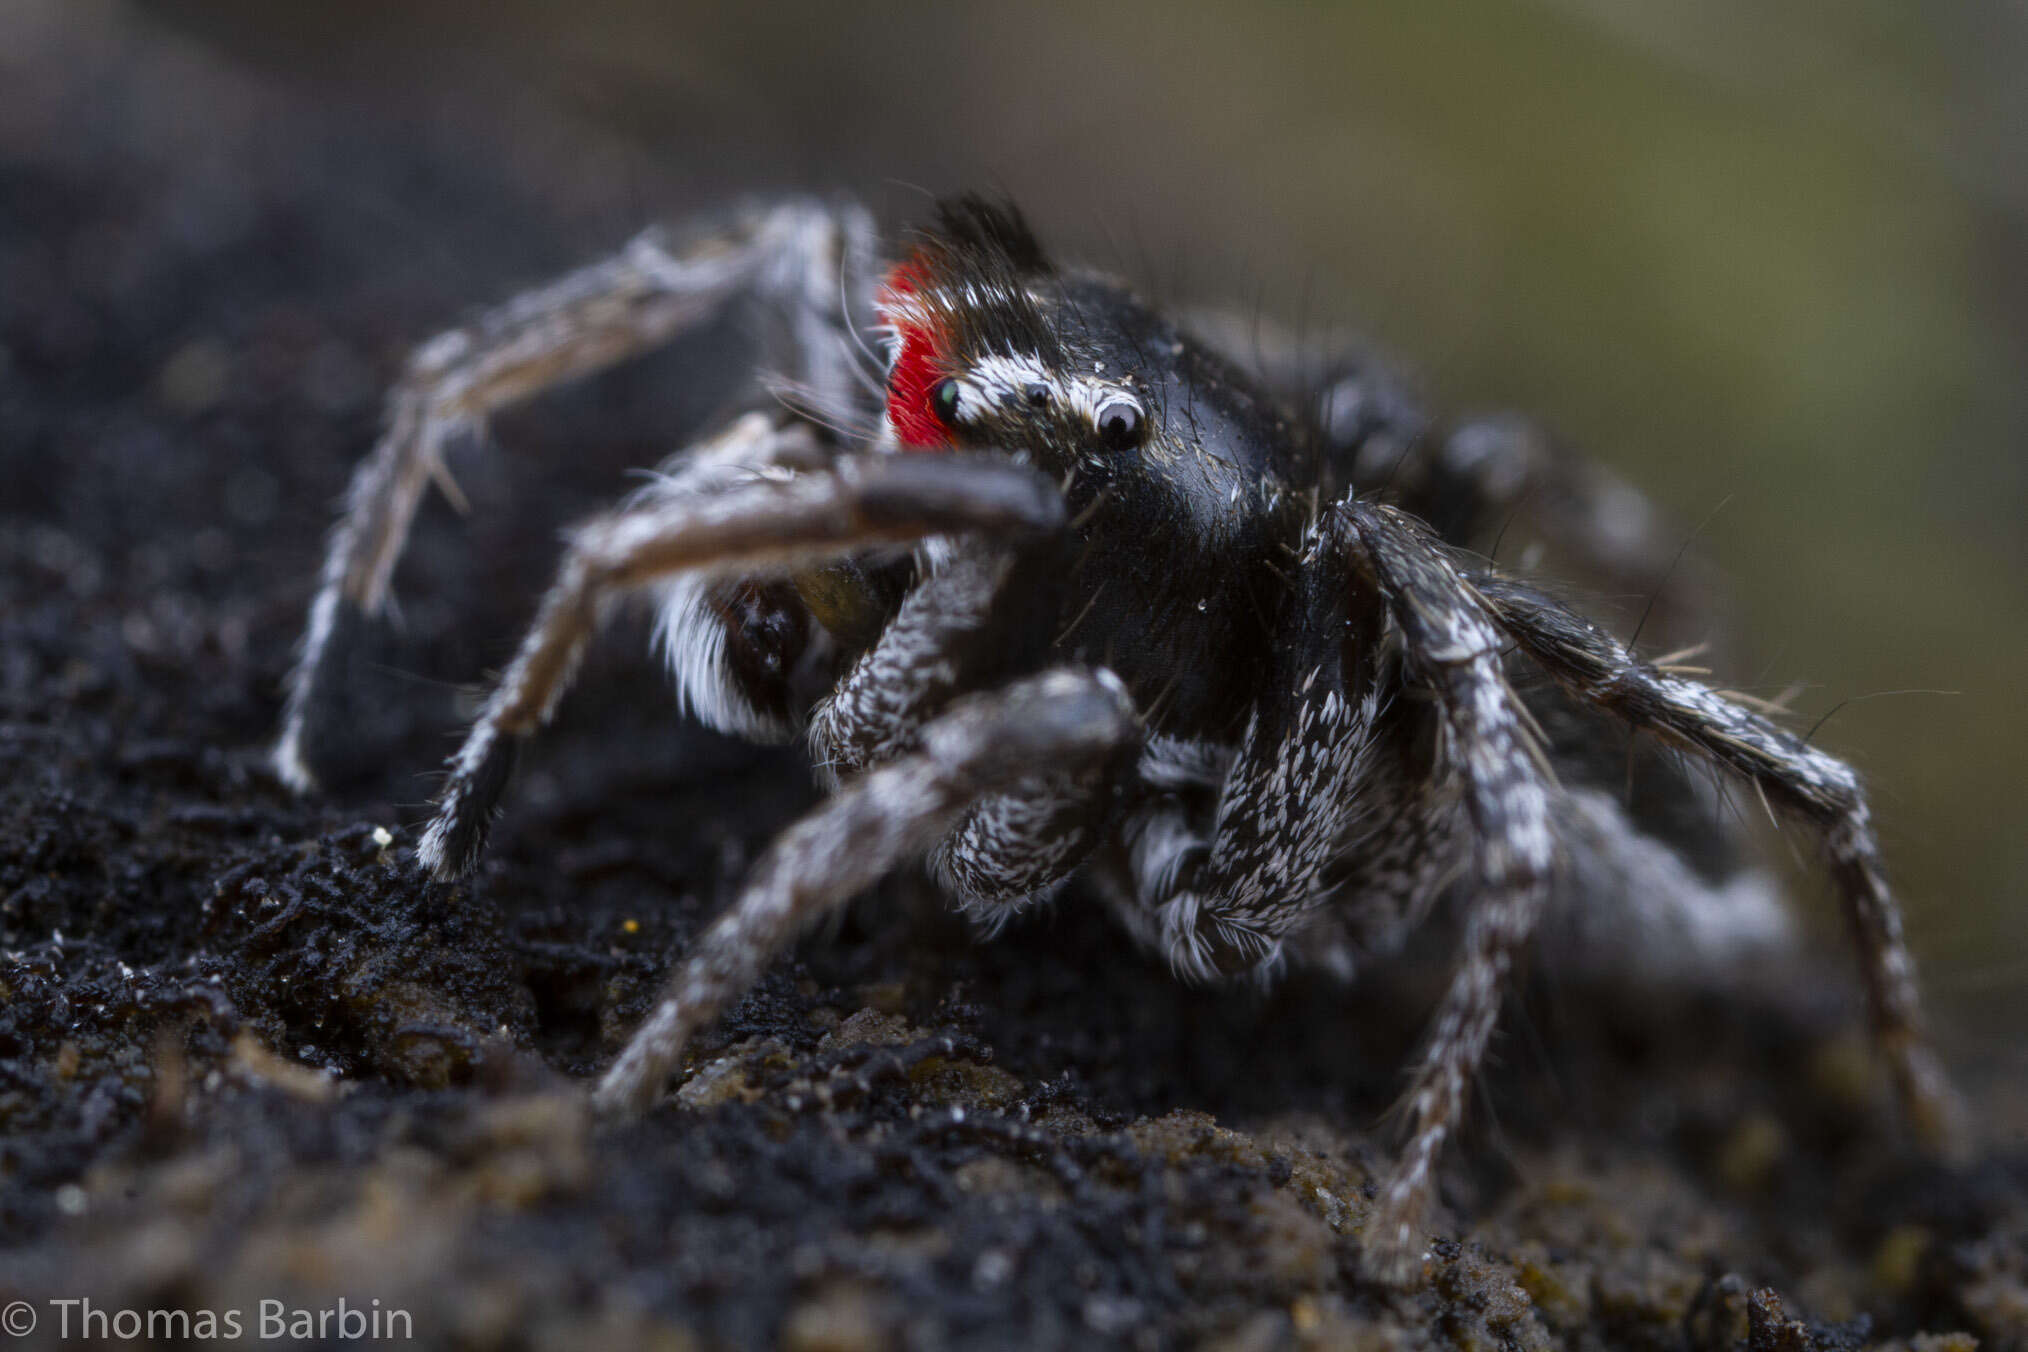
953	633
1061	720
641	297
754	528
1221	888
946	636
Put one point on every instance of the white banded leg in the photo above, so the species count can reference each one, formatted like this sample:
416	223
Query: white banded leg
851	505
1062	719
790	255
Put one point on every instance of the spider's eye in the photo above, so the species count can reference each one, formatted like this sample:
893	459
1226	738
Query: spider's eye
1120	424
1037	395
944	399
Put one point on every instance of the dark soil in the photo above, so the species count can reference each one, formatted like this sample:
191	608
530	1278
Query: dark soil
248	1054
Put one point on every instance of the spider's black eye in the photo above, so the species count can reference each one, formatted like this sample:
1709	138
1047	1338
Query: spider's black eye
1037	394
1120	424
944	399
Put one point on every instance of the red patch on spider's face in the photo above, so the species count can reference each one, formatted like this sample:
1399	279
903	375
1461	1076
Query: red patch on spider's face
918	366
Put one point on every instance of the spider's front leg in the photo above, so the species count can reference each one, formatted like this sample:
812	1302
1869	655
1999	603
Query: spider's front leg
753	528
791	257
1062	721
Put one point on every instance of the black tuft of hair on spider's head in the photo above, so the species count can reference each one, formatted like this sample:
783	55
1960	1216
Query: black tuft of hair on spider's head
991	231
1087	595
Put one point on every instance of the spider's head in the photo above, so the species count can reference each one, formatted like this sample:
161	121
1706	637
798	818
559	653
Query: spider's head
988	350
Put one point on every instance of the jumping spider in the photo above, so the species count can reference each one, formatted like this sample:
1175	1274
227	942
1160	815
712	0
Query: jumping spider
1071	591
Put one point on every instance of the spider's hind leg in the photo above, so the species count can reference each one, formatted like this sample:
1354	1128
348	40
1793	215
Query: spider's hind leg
1453	631
1794	777
790	257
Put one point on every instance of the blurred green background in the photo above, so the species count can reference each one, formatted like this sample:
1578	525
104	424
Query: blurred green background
1764	255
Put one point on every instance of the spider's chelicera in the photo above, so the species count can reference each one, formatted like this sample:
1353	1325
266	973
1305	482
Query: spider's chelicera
1080	595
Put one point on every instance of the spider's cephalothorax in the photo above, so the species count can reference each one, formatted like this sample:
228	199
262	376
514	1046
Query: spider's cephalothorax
1081	594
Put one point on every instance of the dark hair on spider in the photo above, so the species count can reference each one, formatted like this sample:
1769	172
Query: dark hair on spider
975	224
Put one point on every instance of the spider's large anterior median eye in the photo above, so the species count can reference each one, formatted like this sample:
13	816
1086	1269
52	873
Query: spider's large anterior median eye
944	399
1120	424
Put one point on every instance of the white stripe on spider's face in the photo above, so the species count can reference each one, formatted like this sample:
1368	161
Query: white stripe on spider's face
999	380
996	381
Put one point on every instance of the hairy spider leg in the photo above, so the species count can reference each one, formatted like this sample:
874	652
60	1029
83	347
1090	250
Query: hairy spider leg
1452	630
853	504
1450	645
642	297
1062	719
1818	789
